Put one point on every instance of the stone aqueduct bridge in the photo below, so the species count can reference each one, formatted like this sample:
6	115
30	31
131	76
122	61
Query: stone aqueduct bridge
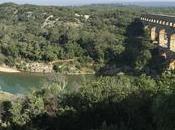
162	30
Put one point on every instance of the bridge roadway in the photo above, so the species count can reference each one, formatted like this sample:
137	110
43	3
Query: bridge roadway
159	19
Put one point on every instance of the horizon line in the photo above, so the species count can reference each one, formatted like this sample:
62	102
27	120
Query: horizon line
124	3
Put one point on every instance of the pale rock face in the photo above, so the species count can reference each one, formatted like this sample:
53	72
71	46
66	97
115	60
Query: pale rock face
77	15
47	19
49	22
86	17
29	14
16	11
40	67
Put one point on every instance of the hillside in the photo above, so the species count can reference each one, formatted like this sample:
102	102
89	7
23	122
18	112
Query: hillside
33	37
131	88
44	34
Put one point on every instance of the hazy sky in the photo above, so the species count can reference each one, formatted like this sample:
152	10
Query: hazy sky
72	2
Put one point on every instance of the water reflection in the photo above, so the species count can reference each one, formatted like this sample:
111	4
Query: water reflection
23	83
18	83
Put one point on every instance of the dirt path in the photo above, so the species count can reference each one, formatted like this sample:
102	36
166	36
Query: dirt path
61	61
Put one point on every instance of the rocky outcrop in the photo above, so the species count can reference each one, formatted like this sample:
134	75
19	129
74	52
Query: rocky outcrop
36	67
40	67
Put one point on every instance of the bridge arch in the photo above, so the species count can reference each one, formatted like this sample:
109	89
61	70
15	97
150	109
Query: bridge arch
160	22
163	22
153	33
171	24
163	40
172	42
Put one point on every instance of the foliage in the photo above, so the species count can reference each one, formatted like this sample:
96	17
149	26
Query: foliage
44	34
120	102
110	38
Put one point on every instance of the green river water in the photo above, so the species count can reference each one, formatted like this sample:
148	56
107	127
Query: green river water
23	83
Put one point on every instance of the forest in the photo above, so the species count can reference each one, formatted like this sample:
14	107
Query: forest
132	88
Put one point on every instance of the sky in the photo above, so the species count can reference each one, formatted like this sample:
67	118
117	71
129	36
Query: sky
73	2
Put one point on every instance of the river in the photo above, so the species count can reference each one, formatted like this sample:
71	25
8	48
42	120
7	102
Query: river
23	83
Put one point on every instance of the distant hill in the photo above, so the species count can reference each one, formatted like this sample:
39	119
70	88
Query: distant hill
133	4
113	4
152	4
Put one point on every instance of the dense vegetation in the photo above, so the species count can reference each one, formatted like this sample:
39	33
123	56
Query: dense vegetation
113	40
44	34
107	103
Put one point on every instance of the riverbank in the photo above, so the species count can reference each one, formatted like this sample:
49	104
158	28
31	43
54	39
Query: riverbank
4	68
70	67
5	96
